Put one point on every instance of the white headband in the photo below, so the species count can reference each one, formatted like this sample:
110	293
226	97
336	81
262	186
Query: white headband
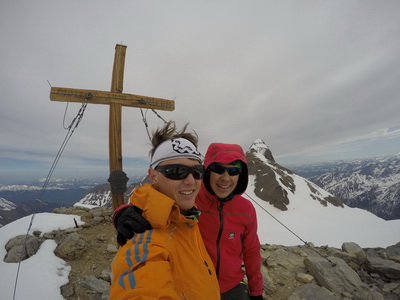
175	148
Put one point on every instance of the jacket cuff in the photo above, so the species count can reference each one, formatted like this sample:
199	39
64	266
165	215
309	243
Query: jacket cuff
116	213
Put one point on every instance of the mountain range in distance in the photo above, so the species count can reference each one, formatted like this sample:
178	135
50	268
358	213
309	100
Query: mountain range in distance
19	200
371	184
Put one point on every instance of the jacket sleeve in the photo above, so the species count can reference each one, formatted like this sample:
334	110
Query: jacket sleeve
252	255
141	270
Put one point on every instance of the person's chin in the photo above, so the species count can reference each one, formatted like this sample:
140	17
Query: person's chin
186	204
223	195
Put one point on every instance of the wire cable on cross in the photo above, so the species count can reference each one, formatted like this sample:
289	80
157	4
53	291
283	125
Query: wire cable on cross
291	231
144	115
71	129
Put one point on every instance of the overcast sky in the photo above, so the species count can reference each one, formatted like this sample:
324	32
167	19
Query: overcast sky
315	80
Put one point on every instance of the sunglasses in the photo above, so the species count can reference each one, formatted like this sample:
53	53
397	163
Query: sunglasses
179	172
232	171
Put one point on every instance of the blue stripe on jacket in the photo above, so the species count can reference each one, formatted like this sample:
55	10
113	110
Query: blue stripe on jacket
139	239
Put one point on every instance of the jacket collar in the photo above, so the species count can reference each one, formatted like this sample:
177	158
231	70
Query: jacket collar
159	209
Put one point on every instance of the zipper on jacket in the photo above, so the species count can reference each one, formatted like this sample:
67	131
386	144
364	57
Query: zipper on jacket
201	253
221	226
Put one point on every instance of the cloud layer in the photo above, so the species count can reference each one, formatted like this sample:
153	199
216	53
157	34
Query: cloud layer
315	80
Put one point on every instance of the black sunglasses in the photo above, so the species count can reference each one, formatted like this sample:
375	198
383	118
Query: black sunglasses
232	171
179	172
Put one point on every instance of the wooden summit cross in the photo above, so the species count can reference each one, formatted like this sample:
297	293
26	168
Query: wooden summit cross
116	99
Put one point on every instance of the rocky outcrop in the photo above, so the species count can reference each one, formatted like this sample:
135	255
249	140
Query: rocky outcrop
290	273
21	247
307	272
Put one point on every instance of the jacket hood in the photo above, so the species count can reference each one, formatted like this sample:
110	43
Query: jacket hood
226	154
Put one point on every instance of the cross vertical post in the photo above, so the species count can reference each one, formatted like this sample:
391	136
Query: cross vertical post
115	141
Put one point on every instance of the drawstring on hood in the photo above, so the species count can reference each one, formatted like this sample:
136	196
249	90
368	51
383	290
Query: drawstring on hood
226	154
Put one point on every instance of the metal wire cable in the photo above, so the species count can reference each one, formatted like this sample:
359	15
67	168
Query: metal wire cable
291	231
146	126
71	128
144	119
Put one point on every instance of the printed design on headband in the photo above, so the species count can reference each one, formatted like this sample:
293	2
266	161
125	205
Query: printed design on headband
176	146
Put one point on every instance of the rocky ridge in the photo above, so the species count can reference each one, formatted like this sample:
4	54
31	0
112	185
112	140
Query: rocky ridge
274	183
294	273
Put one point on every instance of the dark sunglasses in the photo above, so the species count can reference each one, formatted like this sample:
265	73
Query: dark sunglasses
232	171
179	172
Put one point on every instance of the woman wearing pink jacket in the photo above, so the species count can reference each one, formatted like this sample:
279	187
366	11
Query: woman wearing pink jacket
228	222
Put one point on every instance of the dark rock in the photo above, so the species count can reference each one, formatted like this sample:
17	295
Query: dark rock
313	291
21	247
94	284
72	247
339	278
386	267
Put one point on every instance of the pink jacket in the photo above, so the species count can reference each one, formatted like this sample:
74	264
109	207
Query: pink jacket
229	226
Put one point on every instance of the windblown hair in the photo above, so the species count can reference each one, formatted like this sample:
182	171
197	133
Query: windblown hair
169	132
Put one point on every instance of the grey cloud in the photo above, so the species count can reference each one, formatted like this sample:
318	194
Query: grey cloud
312	79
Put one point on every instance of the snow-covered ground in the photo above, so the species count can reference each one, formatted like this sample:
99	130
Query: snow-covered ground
42	275
318	224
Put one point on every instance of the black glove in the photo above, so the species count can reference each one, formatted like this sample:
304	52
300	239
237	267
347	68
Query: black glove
257	297
129	221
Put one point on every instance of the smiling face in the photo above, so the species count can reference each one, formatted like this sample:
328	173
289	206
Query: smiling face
223	184
183	191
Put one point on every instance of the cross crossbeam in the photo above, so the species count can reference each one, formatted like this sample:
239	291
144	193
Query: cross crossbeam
101	97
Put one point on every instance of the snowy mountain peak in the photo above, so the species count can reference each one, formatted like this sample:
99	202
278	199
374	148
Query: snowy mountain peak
101	195
6	205
98	196
279	186
259	147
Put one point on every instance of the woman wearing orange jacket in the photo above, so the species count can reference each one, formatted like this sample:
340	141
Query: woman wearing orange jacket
169	261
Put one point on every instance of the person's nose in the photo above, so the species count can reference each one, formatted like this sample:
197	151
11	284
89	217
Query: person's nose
225	175
190	179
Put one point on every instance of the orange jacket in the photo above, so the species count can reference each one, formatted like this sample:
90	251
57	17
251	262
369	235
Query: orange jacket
168	262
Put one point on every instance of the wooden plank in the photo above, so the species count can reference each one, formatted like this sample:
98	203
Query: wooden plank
115	148
101	97
115	119
115	140
117	79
